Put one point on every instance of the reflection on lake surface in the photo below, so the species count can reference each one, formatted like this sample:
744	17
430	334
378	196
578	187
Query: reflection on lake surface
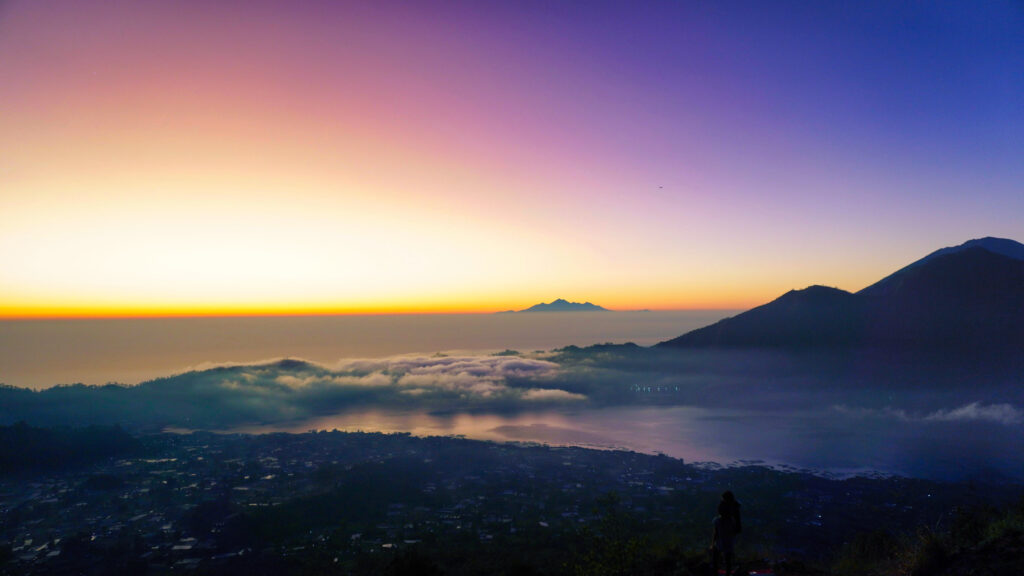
650	430
832	440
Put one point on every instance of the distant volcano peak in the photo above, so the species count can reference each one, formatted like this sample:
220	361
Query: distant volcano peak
563	305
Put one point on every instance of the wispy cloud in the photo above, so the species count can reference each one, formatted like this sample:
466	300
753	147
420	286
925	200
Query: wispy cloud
1000	413
551	394
1003	413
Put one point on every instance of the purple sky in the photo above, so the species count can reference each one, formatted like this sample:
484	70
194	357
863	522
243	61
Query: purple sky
198	157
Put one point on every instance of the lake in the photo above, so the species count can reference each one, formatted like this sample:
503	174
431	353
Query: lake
830	441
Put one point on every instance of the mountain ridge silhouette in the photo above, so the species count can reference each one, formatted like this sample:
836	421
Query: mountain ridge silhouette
969	296
563	305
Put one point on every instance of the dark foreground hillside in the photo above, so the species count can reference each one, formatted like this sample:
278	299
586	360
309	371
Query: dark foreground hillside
26	449
337	503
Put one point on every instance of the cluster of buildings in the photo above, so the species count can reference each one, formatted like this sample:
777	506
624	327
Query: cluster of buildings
187	500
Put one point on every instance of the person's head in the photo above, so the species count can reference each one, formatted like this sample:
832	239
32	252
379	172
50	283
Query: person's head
727	508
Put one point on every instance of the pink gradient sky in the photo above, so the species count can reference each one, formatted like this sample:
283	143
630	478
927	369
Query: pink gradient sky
233	157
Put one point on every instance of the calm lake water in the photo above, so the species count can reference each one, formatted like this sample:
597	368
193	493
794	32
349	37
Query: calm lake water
42	353
829	440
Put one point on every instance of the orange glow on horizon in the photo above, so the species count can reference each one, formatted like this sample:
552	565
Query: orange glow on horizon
166	160
100	311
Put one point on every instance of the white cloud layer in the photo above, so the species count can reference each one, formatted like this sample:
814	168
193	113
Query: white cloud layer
290	388
1005	414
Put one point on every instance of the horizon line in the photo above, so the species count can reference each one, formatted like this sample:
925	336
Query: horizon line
133	315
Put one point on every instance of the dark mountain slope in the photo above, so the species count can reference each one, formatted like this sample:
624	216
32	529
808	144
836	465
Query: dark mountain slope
814	316
995	246
968	297
971	296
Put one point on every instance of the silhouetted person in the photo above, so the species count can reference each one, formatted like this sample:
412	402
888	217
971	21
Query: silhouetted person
726	527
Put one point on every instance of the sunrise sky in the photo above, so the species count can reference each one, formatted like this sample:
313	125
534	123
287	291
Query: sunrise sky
229	157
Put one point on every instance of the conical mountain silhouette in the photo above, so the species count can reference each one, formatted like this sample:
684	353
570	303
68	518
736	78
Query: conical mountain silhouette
970	296
562	305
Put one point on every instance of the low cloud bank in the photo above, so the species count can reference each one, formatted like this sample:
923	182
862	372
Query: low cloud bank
778	386
290	389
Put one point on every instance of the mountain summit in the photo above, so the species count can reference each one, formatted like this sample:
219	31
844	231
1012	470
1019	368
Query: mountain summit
561	305
967	296
994	246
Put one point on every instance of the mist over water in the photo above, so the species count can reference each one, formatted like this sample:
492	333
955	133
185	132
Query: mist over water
840	412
